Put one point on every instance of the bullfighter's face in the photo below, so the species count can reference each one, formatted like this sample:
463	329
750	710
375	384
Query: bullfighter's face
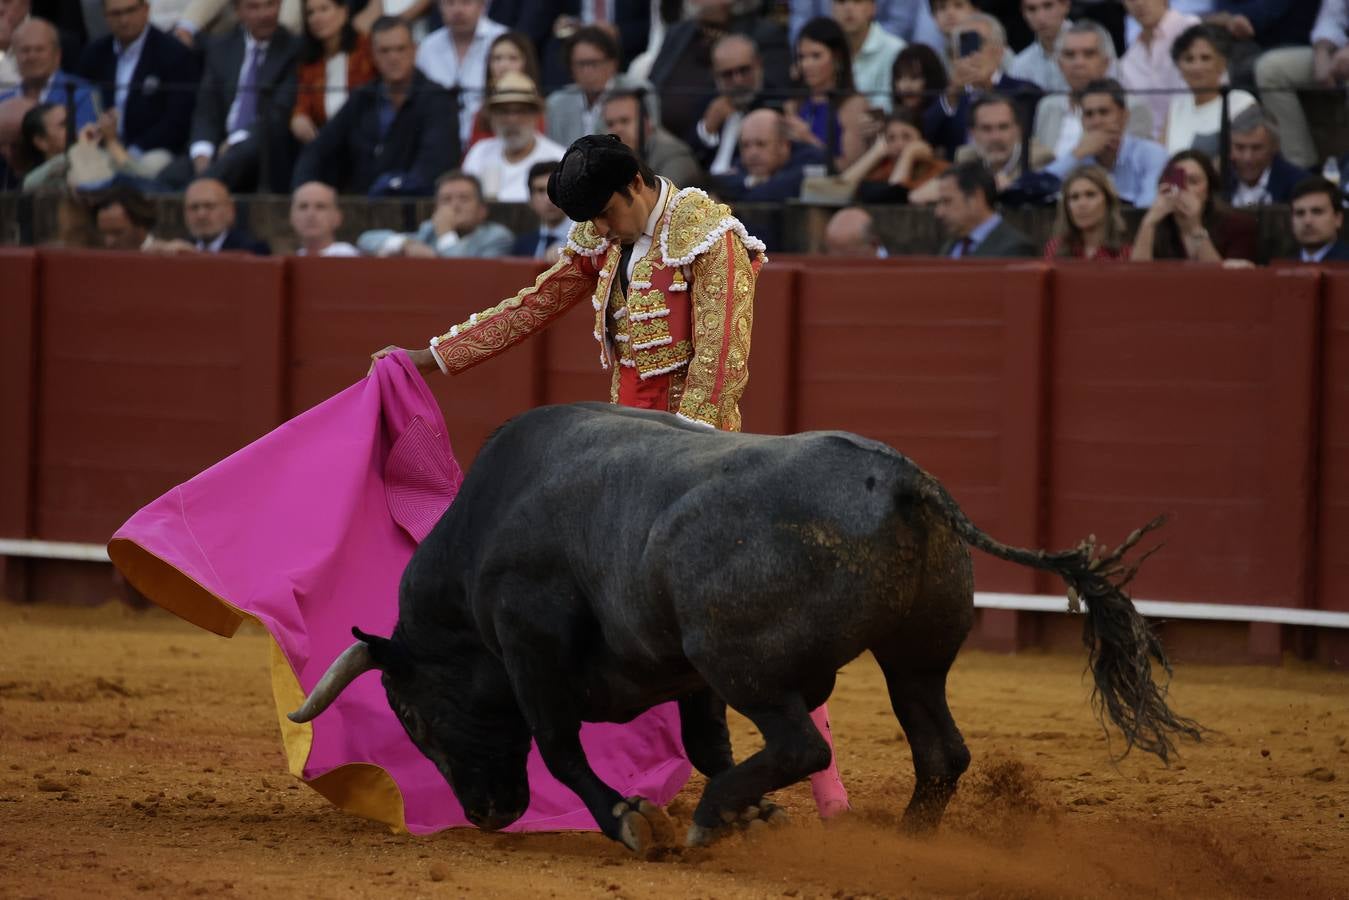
478	745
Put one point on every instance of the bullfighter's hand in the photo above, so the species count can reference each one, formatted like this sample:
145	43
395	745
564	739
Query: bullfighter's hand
422	359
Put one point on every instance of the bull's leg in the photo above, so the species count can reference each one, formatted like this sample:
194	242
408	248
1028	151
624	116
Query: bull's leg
939	753
793	748
702	724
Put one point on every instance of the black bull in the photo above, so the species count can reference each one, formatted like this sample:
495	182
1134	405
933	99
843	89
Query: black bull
598	561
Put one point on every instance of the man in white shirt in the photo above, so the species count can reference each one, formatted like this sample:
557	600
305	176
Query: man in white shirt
873	49
502	162
1039	62
456	55
315	218
1147	64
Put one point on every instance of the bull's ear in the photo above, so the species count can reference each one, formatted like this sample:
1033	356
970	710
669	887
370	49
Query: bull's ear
388	655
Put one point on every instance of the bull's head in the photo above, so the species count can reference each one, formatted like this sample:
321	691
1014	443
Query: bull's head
460	712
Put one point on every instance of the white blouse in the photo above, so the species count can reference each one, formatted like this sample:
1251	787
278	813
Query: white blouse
335	84
1185	121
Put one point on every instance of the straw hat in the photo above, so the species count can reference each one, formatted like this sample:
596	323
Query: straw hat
515	87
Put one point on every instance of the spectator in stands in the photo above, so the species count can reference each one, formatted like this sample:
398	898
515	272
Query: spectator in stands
1257	25
772	166
334	60
245	99
824	66
1317	217
1194	119
1189	221
211	219
1038	63
52	161
12	14
455	56
965	207
1259	174
458	227
949	16
1280	73
738	72
997	142
548	23
910	20
1148	65
502	163
124	220
898	163
1134	163
682	71
37	51
918	78
974	72
851	233
574	111
873	50
315	218
1086	54
510	52
144	77
394	136
1089	224
546	241
666	154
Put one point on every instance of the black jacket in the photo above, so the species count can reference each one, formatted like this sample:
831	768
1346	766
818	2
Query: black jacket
1283	177
220	82
158	110
422	143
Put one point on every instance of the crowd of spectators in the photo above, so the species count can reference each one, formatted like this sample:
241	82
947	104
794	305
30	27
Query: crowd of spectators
1192	112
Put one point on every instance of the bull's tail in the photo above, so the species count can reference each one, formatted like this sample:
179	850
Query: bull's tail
1120	645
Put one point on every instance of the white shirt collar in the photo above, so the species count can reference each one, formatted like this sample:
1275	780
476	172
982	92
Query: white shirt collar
658	210
1318	255
134	48
252	44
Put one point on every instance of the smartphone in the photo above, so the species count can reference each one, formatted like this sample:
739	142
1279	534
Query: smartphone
970	43
1175	176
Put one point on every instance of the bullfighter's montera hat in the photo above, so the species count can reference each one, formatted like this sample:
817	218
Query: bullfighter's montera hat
593	169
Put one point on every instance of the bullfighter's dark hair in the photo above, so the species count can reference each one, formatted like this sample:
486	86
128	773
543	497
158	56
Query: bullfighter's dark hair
593	169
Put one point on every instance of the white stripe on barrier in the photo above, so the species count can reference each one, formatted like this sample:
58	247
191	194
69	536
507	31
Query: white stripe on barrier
1153	609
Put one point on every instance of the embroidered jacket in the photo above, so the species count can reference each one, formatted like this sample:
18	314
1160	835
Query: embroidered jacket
686	317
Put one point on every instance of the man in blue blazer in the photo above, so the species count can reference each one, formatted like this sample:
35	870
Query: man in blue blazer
1259	174
145	76
975	70
37	47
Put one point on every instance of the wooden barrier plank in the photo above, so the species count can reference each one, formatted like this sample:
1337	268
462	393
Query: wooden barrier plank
151	370
18	389
925	361
1332	563
1169	393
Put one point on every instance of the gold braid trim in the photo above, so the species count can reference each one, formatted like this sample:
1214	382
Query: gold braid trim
722	298
497	328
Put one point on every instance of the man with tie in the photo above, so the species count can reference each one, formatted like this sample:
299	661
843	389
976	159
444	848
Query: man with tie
546	241
208	212
966	198
145	77
244	102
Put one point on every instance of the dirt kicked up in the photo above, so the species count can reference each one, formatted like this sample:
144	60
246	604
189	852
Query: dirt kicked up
140	757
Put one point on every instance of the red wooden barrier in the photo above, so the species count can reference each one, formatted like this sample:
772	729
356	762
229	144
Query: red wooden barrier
18	388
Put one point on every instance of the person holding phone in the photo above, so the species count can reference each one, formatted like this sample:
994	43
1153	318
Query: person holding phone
1189	221
975	70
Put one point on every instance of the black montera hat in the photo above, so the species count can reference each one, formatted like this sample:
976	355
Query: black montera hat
593	169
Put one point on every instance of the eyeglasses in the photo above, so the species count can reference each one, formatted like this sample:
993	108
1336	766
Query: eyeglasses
736	72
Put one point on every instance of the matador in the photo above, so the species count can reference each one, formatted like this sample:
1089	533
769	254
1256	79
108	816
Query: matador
670	274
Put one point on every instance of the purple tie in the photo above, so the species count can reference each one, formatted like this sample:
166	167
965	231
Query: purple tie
247	93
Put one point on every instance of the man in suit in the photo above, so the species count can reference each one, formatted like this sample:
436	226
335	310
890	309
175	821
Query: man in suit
1317	218
1259	174
243	106
392	137
37	51
457	229
573	111
772	167
737	71
974	72
549	22
666	154
546	241
145	78
210	216
966	194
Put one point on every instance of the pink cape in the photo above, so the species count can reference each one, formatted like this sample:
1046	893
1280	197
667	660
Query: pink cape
307	531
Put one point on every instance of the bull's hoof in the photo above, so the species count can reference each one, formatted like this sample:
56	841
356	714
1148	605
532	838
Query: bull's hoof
643	827
751	818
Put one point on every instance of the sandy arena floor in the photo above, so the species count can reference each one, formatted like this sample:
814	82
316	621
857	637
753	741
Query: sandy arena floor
139	757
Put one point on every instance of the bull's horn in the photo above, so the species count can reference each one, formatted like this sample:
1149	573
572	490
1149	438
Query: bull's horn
354	660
